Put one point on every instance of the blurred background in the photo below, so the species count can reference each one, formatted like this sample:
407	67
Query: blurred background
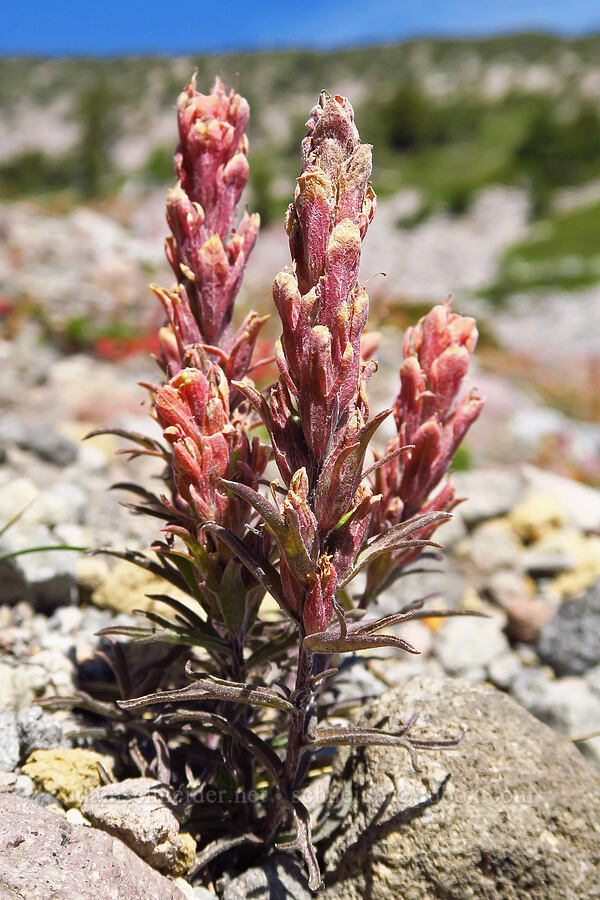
485	121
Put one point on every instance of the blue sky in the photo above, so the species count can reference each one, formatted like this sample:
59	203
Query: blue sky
63	27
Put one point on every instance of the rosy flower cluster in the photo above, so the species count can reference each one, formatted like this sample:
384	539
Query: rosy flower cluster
207	252
432	421
334	515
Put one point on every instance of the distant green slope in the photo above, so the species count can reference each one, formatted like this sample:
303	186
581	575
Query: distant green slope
445	116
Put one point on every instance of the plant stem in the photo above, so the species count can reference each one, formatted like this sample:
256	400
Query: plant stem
303	694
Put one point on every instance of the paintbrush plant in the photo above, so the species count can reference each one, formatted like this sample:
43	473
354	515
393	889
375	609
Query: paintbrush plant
251	724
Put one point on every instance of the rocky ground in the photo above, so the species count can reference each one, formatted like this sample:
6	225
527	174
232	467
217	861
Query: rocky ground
525	548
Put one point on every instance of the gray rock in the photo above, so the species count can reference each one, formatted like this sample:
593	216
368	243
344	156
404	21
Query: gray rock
566	704
397	670
44	579
43	798
37	730
570	641
280	877
40	439
468	643
490	493
445	578
519	816
9	741
140	811
43	856
354	681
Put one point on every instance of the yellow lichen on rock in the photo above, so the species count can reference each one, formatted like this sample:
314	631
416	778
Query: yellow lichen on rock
538	514
585	553
126	588
67	773
185	854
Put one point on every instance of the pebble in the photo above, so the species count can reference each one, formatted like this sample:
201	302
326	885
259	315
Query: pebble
445	578
63	503
547	559
8	782
558	550
9	741
354	681
526	617
17	495
504	670
126	588
193	893
76	817
91	571
451	532
467	643
585	550
24	785
492	546
200	893
566	704
507	586
20	685
527	655
281	875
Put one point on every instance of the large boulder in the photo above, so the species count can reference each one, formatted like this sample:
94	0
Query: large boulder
513	812
43	856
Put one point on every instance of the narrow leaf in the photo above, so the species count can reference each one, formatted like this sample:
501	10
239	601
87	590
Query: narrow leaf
137	437
242	735
261	569
362	737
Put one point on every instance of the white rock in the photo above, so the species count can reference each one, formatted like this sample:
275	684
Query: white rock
504	670
580	502
468	643
490	493
492	546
